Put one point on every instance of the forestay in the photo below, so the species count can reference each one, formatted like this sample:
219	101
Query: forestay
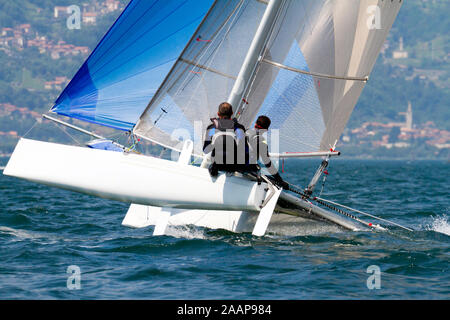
115	84
314	67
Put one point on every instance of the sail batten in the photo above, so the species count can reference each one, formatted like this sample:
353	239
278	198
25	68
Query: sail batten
314	74
197	65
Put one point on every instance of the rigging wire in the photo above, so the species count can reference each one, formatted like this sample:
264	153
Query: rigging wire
57	126
331	205
32	127
73	138
321	200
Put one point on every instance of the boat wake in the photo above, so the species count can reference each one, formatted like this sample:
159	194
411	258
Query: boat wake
285	228
440	224
185	232
310	229
19	234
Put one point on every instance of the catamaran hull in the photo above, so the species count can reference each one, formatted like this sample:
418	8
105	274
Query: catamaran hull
139	216
162	192
131	178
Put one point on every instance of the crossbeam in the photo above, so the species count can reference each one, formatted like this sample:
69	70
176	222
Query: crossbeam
305	154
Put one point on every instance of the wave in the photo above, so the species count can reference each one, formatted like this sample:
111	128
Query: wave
440	224
186	232
20	234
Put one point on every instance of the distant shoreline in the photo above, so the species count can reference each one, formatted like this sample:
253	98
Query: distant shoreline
4	159
394	159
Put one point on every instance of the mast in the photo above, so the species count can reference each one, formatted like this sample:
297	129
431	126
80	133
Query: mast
254	53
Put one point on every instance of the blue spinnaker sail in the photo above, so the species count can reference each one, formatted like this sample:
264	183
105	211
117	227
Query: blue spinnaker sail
115	84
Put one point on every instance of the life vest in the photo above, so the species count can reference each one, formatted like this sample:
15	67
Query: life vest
225	144
259	151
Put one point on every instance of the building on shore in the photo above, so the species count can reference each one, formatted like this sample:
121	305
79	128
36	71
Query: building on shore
60	12
401	53
408	117
90	17
398	134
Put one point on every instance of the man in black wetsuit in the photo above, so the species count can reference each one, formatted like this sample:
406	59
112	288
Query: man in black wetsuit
225	140
258	149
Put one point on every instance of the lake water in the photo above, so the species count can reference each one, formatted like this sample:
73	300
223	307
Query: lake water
44	230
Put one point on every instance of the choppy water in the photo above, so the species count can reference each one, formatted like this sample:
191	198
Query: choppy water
43	231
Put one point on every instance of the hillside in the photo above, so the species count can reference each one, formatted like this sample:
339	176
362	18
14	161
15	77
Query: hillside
423	78
42	55
39	55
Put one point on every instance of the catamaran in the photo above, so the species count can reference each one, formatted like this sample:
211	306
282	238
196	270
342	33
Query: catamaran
160	73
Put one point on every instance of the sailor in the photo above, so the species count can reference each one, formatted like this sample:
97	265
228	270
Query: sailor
226	142
259	150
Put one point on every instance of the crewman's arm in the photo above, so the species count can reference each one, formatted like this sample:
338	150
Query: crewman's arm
265	159
207	147
264	154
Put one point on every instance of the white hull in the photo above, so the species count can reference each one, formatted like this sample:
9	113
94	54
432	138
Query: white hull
162	192
139	216
131	178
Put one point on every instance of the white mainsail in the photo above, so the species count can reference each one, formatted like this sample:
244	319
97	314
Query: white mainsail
338	43
308	79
